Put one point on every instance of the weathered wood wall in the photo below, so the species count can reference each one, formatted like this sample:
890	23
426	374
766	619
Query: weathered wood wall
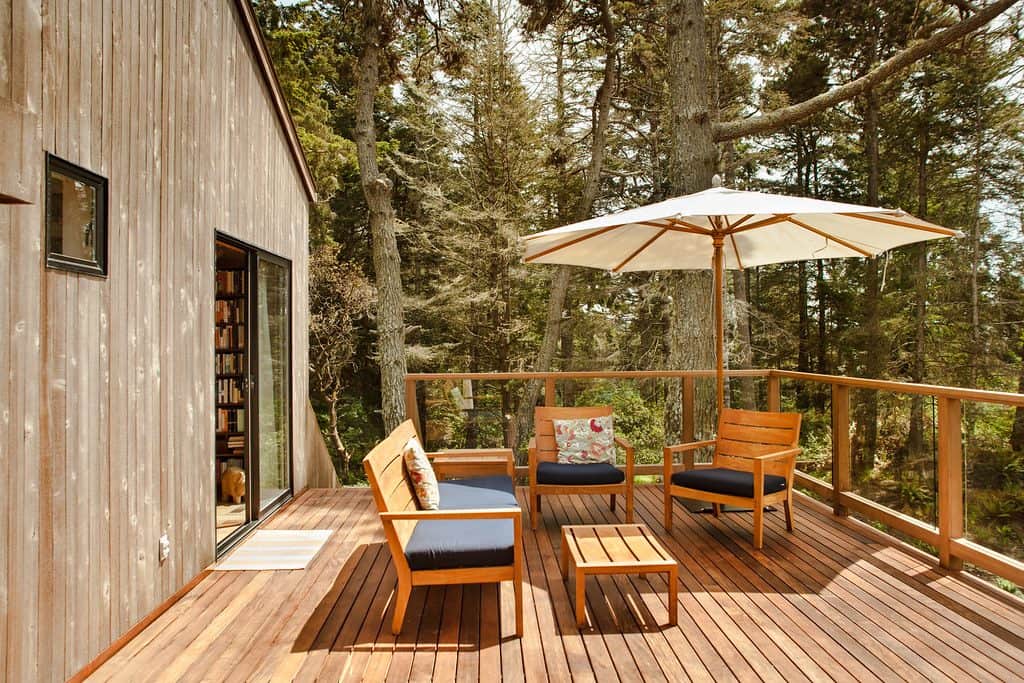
106	385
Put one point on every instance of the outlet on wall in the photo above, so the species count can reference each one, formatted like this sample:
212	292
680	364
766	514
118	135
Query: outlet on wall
165	547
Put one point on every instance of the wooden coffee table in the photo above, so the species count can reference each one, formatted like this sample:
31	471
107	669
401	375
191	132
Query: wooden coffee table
616	549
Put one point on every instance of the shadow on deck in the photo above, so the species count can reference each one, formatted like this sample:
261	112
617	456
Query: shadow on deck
835	600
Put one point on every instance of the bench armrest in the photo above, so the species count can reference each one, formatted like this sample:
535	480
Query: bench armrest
477	513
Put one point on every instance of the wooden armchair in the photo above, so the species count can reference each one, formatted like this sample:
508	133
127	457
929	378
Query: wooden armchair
549	477
476	536
755	456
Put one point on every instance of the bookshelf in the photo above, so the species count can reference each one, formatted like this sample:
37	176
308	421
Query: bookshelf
230	314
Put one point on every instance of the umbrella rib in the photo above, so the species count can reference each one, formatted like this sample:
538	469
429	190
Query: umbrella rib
693	228
563	245
736	250
643	246
740	221
903	224
837	240
771	220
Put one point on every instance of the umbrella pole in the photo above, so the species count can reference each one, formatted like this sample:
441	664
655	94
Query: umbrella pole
718	266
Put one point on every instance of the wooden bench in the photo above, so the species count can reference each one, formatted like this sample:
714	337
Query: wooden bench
401	517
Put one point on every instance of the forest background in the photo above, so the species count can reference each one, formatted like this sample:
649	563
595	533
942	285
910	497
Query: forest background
440	133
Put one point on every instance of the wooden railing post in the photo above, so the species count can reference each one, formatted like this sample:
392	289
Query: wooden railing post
951	480
550	399
841	465
412	409
688	427
774	393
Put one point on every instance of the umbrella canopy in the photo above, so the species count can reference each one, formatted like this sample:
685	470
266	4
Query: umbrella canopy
723	228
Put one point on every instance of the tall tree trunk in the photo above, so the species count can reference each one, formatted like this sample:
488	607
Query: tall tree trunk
744	353
562	276
915	439
377	190
1017	433
692	161
822	367
873	347
803	344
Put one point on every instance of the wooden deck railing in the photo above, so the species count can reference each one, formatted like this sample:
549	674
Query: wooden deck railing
947	537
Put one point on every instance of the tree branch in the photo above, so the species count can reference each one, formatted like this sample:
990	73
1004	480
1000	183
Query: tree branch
780	118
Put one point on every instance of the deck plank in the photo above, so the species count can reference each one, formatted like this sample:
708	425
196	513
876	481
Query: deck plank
833	601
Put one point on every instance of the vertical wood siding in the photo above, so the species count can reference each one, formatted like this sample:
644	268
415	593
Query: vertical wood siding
106	385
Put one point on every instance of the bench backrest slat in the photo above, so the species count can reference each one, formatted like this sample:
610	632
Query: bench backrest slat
385	470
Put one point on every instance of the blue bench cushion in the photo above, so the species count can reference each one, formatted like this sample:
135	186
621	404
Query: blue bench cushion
726	482
455	543
569	474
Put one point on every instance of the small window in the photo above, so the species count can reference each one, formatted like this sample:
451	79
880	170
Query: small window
76	218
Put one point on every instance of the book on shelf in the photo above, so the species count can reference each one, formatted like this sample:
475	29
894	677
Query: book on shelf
229	311
230	282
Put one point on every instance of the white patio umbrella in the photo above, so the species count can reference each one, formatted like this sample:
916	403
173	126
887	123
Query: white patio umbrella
722	228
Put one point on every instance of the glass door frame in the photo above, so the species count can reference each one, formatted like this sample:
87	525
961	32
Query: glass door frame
260	510
253	504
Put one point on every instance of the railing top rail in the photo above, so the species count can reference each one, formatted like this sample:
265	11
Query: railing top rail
979	395
582	374
961	393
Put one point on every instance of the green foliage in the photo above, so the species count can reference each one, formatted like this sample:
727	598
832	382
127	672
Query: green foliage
639	420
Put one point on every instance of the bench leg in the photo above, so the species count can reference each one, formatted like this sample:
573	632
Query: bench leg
673	596
613	502
402	593
535	513
629	505
668	508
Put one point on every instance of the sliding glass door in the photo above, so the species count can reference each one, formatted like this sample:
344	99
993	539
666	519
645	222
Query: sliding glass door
252	346
273	381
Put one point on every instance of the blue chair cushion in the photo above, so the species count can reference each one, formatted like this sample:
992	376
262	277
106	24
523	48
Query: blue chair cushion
456	543
726	482
569	474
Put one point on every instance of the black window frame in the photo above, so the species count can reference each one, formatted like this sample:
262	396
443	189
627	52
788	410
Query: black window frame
57	261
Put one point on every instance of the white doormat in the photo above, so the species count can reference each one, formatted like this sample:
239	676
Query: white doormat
271	549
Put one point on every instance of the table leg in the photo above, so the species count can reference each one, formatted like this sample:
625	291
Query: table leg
564	563
673	596
581	599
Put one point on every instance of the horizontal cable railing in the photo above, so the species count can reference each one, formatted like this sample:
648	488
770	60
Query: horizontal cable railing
947	535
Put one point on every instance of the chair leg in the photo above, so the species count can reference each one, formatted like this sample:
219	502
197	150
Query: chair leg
668	508
716	509
629	505
519	601
535	516
613	502
402	593
789	513
758	524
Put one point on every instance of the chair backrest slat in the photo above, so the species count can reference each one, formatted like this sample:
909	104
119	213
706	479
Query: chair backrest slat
750	433
385	470
544	428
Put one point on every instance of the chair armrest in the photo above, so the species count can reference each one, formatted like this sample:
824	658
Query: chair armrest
475	513
531	461
630	455
778	455
692	446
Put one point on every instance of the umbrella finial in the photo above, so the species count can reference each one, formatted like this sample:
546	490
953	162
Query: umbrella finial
716	180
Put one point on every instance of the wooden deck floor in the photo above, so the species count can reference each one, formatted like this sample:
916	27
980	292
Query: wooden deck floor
834	601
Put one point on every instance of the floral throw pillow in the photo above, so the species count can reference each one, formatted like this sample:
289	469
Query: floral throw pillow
421	474
585	441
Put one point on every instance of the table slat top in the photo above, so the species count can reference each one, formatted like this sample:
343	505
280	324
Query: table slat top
620	546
